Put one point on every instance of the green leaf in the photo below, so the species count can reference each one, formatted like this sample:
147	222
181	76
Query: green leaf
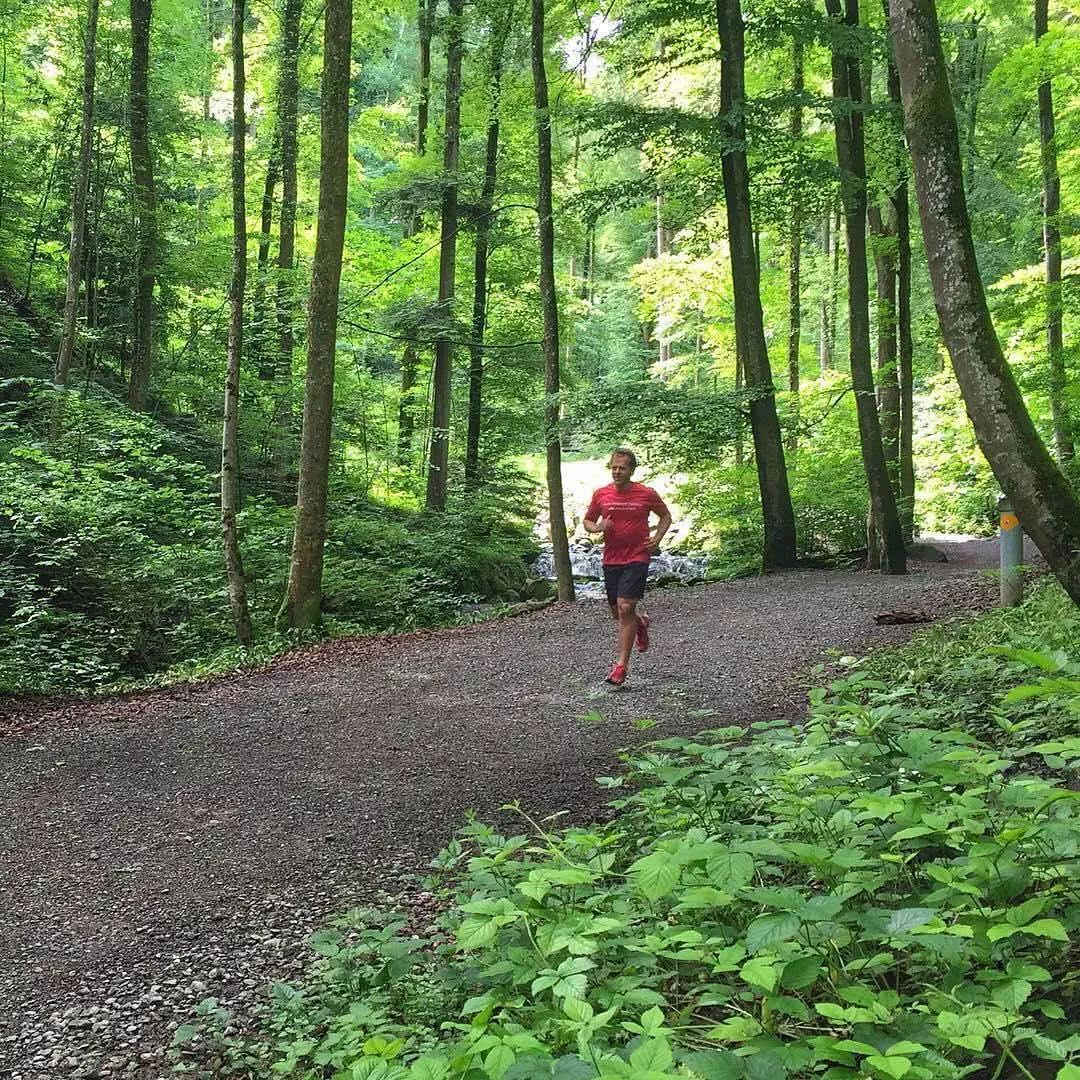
1012	994
498	1061
1068	1072
759	972
771	930
890	1066
652	1055
907	919
1046	928
730	870
715	1065
656	874
430	1068
801	972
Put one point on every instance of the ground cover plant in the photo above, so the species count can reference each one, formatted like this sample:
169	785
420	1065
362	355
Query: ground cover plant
889	891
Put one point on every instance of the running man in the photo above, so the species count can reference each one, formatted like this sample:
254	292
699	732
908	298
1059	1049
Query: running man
620	511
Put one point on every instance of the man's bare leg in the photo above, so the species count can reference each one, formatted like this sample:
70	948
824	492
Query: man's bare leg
626	613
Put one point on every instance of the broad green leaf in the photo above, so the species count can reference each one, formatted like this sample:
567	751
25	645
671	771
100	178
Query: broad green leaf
715	1065
801	972
1012	994
759	972
730	870
656	874
890	1066
907	919
653	1055
771	930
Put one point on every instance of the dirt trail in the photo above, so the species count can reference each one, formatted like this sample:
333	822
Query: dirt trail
159	849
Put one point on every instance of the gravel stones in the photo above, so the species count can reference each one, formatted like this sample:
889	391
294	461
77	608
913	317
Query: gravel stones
165	848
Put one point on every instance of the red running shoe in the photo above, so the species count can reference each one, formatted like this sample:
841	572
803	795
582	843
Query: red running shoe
642	636
618	675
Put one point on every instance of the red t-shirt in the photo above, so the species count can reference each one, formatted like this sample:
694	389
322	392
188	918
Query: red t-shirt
627	540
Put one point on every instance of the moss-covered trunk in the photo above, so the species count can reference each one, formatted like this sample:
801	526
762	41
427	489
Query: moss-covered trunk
303	597
1045	503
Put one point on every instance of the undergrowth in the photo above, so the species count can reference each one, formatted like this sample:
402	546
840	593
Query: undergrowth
889	891
111	573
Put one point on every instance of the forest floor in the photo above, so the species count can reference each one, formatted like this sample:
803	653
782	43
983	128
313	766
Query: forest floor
162	848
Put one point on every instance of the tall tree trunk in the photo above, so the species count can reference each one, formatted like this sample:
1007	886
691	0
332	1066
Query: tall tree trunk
287	110
261	315
560	546
663	246
425	24
906	363
230	440
439	452
480	276
795	130
1043	499
78	201
303	595
905	343
142	170
888	382
1051	206
850	152
825	344
425	18
777	512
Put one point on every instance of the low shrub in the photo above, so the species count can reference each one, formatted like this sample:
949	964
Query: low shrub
111	571
878	894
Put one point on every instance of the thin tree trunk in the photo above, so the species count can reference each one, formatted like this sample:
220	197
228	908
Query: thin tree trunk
1048	508
1051	200
407	402
39	224
230	441
906	362
663	246
834	284
78	201
287	110
261	316
795	130
906	346
439	452
564	574
825	357
850	152
425	23
303	597
777	512
142	170
888	382
480	275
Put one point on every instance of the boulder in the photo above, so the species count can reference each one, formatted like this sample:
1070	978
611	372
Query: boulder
926	553
538	589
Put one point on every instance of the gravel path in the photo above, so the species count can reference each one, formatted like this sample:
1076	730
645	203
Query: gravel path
159	849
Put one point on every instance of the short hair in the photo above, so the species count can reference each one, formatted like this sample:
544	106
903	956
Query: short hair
621	451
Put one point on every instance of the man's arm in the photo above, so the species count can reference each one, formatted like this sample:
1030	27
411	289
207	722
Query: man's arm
593	521
659	508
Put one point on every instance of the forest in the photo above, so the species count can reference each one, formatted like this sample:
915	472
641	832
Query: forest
318	321
302	307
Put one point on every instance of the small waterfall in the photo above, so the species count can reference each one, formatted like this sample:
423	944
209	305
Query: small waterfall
587	563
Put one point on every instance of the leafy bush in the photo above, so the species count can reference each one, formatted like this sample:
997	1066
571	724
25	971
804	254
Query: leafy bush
110	554
879	894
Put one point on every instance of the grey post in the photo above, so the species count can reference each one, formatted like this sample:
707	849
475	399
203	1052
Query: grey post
1011	549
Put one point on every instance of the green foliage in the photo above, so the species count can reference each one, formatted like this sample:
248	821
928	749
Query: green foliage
110	559
877	894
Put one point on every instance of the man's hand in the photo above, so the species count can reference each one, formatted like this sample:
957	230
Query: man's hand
600	525
654	544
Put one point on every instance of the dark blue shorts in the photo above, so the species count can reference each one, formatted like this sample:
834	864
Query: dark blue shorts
626	581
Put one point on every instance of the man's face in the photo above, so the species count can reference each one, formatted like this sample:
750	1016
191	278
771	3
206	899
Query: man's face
621	469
